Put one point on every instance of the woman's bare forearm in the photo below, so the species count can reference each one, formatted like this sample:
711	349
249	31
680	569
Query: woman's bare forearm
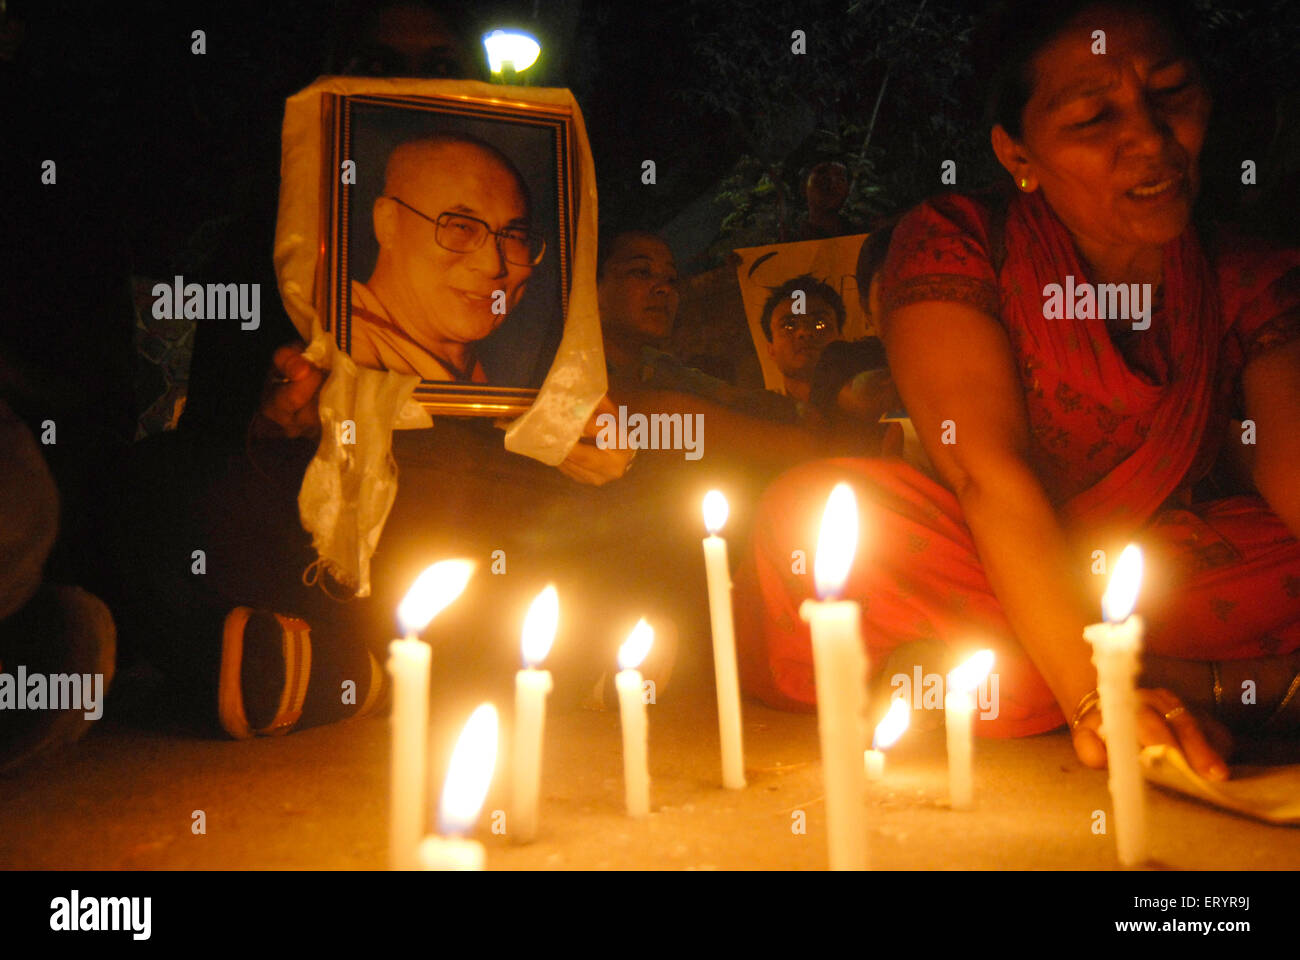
972	386
1272	386
1029	564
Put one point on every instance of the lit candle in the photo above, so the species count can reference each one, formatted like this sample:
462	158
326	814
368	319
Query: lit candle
840	673
468	777
958	713
636	769
888	730
1116	646
531	687
409	662
725	674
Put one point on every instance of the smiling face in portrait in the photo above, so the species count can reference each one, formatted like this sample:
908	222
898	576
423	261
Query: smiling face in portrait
799	339
1113	139
444	296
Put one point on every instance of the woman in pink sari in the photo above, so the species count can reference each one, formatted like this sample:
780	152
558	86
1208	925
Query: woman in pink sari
1057	435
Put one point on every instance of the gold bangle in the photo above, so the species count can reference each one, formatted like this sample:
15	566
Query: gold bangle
1086	704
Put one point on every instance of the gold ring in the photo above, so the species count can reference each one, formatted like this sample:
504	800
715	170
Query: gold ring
1175	713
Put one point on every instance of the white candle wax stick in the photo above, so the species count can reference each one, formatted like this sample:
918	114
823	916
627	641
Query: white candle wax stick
409	663
726	675
958	710
874	762
840	671
1115	654
531	688
636	770
450	853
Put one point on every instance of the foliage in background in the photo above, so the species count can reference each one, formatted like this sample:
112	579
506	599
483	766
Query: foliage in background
793	110
1252	36
790	111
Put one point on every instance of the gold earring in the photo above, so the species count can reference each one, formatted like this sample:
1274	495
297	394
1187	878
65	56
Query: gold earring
1024	184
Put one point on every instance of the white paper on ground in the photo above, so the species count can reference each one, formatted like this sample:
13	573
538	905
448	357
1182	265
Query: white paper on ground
1271	794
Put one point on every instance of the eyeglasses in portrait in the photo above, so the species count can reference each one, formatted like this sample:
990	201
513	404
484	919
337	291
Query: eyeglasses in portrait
451	231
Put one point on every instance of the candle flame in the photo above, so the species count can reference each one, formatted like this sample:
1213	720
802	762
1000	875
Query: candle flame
967	676
716	510
432	592
1121	593
836	542
892	725
637	646
539	626
469	773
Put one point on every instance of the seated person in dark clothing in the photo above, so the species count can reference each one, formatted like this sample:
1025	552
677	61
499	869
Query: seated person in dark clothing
211	552
638	310
754	432
57	643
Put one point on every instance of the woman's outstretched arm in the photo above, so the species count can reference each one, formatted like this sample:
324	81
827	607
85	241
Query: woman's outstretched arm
1271	383
956	374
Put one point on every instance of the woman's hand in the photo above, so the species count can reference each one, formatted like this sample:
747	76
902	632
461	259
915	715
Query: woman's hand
290	396
1162	719
588	463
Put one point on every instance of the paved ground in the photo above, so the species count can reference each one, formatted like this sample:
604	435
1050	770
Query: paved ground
124	798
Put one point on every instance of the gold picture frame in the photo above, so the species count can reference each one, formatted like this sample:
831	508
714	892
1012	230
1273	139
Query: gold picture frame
509	364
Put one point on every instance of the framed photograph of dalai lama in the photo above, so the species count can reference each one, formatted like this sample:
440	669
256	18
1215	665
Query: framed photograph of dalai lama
451	230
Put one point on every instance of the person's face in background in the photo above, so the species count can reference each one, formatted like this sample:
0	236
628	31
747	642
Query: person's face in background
409	40
451	295
827	188
799	339
638	291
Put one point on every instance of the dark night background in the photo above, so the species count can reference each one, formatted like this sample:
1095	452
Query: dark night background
168	162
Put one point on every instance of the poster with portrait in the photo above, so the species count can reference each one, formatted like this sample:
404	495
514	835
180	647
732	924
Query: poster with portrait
451	225
825	271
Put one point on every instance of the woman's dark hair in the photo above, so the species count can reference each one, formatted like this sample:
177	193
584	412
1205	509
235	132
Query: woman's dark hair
871	257
1006	41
